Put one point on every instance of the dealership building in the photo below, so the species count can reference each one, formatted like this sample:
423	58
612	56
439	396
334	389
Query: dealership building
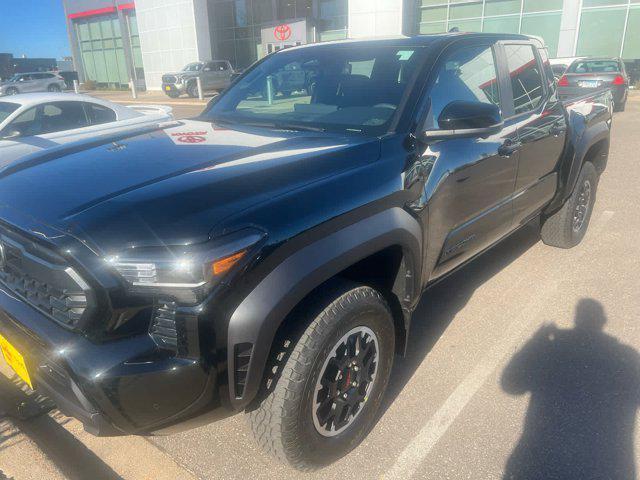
114	41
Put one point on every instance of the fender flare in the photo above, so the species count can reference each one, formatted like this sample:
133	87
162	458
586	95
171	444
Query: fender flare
258	317
569	174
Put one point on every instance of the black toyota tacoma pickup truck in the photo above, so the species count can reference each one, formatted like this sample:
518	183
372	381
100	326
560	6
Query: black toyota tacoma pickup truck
266	257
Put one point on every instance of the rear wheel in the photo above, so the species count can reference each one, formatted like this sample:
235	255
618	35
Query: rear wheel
331	384
567	227
54	88
11	91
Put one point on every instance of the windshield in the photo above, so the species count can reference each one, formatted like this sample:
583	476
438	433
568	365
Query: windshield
332	88
595	66
14	78
192	67
7	109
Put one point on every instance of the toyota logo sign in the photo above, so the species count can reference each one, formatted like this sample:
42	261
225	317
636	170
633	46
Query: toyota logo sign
282	32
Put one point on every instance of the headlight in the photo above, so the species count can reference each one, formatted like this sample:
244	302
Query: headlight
185	272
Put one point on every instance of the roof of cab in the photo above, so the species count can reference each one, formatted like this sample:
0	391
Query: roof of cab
419	40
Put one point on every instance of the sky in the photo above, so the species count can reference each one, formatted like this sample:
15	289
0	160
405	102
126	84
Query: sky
35	28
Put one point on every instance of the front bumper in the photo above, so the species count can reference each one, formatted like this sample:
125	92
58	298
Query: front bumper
127	386
176	88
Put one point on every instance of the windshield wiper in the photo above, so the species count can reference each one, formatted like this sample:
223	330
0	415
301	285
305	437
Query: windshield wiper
298	128
273	125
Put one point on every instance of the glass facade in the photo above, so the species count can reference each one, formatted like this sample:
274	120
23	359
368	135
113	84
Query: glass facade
531	17
102	49
609	28
236	25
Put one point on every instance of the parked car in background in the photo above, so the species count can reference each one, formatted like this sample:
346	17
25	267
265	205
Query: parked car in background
588	74
560	65
40	121
33	82
215	75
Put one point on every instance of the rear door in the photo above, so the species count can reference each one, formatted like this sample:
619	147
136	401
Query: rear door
469	189
538	115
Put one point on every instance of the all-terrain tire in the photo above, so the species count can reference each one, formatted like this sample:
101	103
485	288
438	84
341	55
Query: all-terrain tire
283	422
561	229
192	89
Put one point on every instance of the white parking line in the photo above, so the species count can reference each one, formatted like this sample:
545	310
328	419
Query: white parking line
415	453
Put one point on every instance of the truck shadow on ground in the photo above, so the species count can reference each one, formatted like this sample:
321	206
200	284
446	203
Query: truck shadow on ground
585	391
72	458
440	304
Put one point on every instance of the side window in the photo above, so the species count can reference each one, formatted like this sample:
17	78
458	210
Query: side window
219	66
526	78
467	74
61	116
99	114
363	67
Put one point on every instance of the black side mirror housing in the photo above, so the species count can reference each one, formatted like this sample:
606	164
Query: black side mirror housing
461	119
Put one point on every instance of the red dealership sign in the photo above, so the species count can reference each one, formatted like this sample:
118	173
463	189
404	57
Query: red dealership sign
282	32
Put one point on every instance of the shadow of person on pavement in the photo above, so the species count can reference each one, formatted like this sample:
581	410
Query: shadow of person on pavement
585	390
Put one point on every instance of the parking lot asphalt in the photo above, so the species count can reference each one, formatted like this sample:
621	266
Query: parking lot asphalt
526	358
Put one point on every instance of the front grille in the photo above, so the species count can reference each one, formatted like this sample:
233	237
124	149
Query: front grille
44	280
169	79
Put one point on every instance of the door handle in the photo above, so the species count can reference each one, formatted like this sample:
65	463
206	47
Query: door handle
508	148
557	130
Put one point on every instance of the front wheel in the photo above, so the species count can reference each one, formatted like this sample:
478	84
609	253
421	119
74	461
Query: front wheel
54	88
331	384
567	227
192	90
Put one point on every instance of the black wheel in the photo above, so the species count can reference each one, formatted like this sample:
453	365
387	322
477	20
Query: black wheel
331	383
192	90
11	91
567	227
173	94
54	88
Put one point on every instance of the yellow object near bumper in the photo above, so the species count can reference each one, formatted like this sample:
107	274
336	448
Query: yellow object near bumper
15	360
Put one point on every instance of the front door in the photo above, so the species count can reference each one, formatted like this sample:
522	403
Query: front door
469	189
28	84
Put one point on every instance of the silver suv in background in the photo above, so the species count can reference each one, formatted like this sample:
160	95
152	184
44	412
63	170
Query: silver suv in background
33	82
215	75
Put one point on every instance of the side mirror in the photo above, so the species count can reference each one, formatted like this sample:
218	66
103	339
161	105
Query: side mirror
10	134
460	119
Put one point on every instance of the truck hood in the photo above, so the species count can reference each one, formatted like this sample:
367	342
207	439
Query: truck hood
171	186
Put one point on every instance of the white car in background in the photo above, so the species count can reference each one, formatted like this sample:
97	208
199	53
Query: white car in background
38	121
